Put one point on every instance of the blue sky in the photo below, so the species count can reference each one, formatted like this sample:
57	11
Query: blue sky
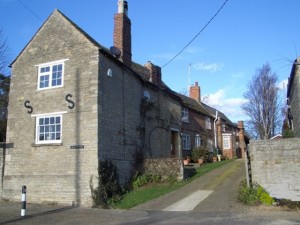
245	35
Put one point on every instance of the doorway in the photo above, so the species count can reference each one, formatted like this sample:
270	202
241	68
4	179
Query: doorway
174	144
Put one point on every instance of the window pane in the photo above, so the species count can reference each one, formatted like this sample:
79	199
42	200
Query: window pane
41	121
47	120
52	136
58	119
42	129
52	119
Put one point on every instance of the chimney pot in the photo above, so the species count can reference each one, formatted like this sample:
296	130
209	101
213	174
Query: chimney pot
123	7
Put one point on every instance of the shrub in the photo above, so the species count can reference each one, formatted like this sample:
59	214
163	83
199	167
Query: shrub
248	195
109	189
264	196
142	180
199	152
254	195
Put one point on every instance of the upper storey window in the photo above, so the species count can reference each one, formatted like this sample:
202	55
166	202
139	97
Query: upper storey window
185	115
51	75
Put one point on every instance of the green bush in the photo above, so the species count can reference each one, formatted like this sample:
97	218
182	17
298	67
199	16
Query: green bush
142	180
247	195
199	152
109	189
254	195
264	196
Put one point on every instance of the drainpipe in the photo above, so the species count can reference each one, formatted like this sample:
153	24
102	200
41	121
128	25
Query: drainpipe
215	129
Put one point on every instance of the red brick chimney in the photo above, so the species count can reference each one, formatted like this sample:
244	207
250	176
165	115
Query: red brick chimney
154	72
195	92
122	32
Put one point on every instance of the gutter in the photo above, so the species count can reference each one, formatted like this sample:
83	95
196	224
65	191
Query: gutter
215	130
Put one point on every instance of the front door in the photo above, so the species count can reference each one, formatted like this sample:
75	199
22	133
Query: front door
174	143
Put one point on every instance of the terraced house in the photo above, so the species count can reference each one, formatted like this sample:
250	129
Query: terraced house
74	103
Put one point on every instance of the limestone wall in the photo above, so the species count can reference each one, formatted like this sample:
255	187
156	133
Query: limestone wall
275	166
164	167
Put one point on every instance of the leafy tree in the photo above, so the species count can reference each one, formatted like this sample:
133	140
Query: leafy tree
263	106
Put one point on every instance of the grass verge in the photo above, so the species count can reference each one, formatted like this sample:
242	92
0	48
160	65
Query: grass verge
144	194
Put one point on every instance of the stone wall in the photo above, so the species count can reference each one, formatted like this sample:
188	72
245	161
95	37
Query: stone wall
165	167
119	100
275	166
54	172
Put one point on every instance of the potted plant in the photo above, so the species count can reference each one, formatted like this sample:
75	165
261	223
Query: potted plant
185	161
214	156
199	154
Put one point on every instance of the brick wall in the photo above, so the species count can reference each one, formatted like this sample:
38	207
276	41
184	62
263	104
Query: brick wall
275	166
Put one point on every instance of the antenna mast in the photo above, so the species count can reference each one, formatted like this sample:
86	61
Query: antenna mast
189	78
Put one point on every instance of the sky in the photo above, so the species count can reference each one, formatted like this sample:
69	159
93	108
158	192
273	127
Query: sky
245	35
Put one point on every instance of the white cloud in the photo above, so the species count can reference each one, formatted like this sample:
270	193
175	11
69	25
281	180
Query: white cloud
212	67
282	85
231	107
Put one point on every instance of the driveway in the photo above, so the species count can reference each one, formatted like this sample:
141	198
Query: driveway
216	191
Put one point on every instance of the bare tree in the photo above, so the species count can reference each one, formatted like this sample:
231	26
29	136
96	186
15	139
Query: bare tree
4	57
4	85
263	106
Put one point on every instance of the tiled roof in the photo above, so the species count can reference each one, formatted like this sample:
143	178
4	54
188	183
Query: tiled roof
193	104
220	114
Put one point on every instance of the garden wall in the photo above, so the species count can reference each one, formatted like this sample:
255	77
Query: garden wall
165	167
275	165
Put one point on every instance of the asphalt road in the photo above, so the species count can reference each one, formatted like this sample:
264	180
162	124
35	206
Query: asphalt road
219	207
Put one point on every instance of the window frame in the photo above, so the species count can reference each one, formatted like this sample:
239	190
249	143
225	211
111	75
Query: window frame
197	140
226	141
185	114
207	123
37	127
186	142
210	145
50	74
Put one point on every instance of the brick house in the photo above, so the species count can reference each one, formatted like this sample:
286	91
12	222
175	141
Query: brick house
202	124
74	103
293	98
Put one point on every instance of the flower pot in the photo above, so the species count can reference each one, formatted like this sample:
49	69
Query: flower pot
200	161
219	157
185	162
214	158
